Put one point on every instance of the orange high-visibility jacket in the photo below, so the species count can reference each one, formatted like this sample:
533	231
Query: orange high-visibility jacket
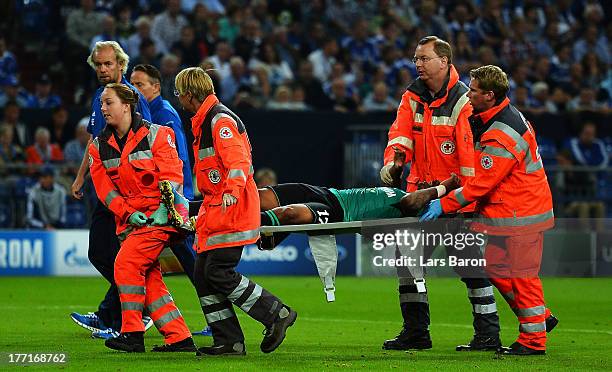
127	180
223	165
510	187
434	132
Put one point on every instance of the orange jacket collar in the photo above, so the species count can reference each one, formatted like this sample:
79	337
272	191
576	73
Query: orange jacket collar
453	79
198	118
487	115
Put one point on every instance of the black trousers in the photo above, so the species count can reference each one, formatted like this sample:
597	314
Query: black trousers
219	286
103	249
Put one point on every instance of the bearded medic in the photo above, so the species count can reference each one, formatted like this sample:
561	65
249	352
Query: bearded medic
513	205
127	162
432	130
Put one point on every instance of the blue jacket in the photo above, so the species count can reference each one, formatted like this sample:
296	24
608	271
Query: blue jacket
96	120
163	113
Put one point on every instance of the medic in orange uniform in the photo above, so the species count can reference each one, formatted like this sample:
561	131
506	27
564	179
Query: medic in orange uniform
127	162
228	219
432	130
513	204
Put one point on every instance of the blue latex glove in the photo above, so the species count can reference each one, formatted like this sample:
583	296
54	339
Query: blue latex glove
137	219
160	216
433	211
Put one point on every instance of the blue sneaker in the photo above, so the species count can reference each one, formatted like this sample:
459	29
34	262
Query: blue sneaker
205	332
89	321
108	333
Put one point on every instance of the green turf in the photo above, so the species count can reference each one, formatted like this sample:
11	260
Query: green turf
345	335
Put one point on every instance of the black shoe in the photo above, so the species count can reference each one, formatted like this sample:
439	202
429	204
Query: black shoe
275	334
407	341
551	323
132	342
229	349
518	349
481	343
185	345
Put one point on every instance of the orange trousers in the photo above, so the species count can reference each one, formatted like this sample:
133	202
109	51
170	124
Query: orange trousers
513	264
139	280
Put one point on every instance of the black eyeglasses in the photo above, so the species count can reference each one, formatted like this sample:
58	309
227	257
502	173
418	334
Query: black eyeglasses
423	59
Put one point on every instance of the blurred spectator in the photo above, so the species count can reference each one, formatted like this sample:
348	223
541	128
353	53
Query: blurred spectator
464	56
360	49
277	71
10	153
21	132
229	25
541	101
143	32
593	69
341	101
560	98
148	54
586	101
429	23
208	66
60	131
166	27
125	26
517	48
168	69
43	151
591	42
281	99
323	59
521	99
379	99
188	48
561	64
8	63
42	97
109	33
313	89
486	56
46	207
265	177
75	149
587	149
238	77
285	51
248	40
83	24
221	58
298	98
212	6
12	91
519	79
490	24
461	24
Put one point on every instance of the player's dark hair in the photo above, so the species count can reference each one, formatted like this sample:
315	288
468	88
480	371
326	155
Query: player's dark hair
151	71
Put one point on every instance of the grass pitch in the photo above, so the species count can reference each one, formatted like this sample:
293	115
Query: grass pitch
345	335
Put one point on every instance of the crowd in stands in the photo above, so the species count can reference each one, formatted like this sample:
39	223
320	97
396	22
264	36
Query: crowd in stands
340	55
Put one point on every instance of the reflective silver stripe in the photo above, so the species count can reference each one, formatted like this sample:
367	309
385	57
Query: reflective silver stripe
136	306
111	163
532	311
141	155
167	318
110	197
480	292
220	116
153	129
485	309
532	327
467	171
413	297
460	198
235	173
521	144
177	186
461	102
96	143
157	304
531	166
413	104
508	296
131	289
251	170
211	300
239	290
516	221
401	140
246	306
442	120
418	118
232	237
206	152
218	315
497	151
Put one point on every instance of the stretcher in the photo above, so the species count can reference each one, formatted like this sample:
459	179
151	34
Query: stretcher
322	241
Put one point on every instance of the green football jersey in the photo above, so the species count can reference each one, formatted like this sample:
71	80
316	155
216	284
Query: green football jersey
370	203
